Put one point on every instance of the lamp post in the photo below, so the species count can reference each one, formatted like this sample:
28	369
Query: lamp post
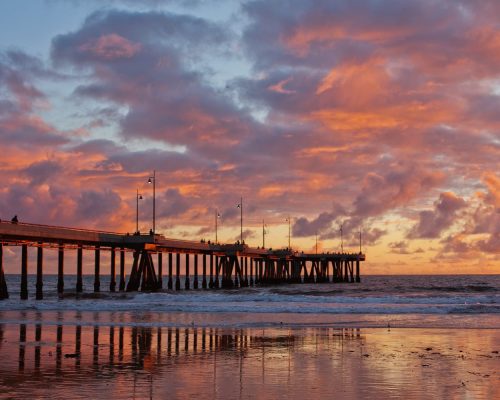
152	179
137	198
341	238
316	242
217	216
240	206
289	232
264	232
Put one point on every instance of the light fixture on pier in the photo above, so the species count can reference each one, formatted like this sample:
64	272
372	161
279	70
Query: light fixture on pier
240	206
264	233
341	238
152	180
137	198
288	219
217	216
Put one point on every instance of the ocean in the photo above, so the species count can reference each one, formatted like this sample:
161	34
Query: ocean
384	338
405	301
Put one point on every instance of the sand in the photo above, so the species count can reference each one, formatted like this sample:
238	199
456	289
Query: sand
109	359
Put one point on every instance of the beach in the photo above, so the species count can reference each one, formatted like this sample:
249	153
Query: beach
387	337
136	362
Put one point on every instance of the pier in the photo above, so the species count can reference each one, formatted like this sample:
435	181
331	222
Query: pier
207	265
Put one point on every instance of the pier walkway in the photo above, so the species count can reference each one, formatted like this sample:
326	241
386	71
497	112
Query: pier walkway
213	265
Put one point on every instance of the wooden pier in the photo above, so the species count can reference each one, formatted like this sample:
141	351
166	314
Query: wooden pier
222	265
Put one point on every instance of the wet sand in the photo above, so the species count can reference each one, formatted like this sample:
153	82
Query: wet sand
113	360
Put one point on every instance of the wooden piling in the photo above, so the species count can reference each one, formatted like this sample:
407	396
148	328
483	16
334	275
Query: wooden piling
97	270
60	271
251	271
121	285
79	269
24	272
160	270
170	281
211	281
186	285
39	272
4	293
112	272
204	279
177	271
358	278
216	281
195	278
246	271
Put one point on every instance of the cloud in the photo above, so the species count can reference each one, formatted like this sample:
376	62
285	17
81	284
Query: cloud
96	205
41	171
110	47
432	223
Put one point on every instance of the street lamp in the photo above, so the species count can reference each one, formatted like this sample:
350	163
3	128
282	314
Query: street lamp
289	232
217	216
240	206
152	179
137	198
264	232
341	238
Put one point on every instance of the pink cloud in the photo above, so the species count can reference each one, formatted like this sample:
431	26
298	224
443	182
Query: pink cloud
111	47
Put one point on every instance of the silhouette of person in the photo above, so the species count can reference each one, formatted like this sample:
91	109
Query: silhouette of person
14	219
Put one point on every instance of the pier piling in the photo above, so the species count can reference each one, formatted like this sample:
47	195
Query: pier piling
112	272
97	270
24	272
177	271
160	270
170	281
79	269
60	271
4	293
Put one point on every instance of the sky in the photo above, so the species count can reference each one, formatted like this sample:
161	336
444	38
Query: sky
377	116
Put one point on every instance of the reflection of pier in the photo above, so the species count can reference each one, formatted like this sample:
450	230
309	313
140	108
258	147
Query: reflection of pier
221	265
55	350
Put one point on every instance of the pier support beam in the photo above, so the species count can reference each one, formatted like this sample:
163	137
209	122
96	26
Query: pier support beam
39	272
170	280
358	278
160	270
216	281
24	272
204	280
121	285
112	272
177	271
186	284
4	293
97	270
211	281
79	269
60	271
246	271
195	278
251	271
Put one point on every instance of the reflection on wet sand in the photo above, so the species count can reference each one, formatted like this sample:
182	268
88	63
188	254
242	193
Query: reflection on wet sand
156	362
